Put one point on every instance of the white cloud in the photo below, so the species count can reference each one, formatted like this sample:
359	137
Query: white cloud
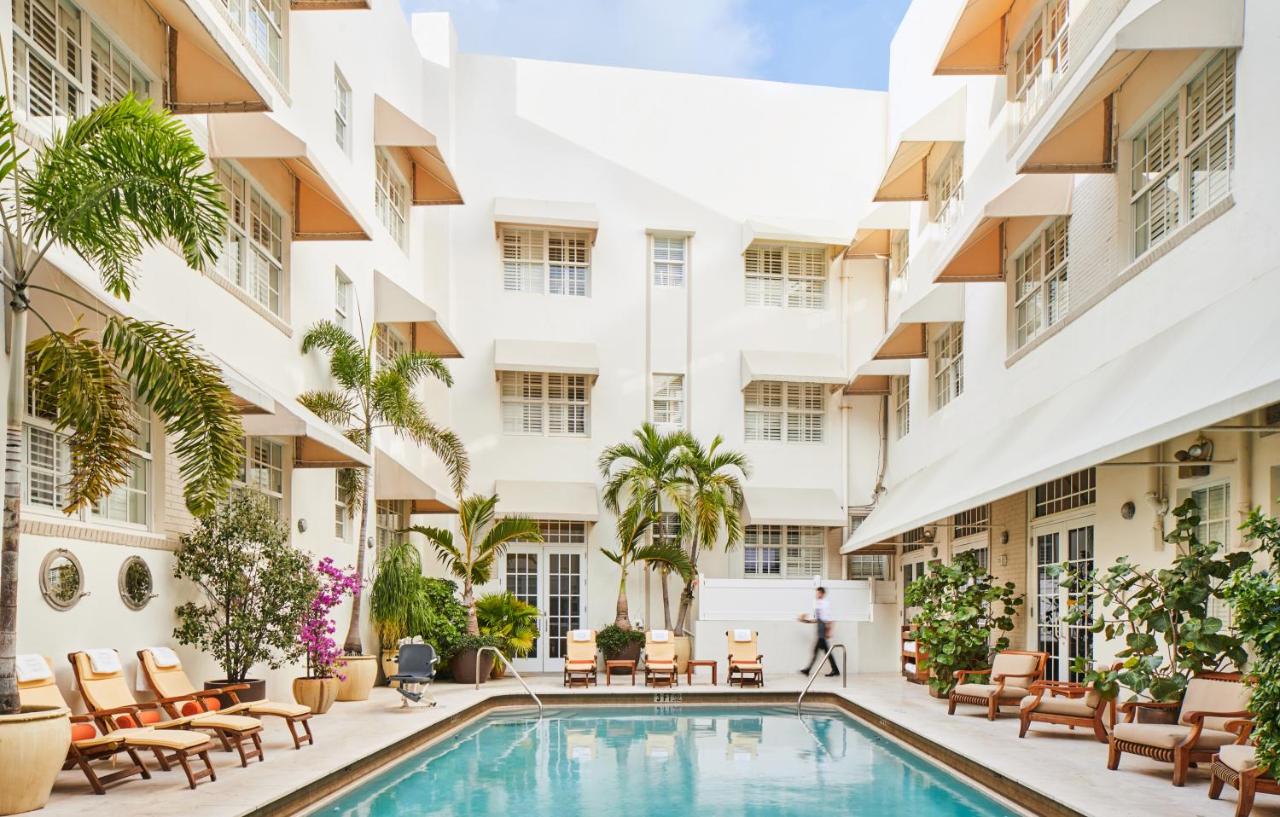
698	36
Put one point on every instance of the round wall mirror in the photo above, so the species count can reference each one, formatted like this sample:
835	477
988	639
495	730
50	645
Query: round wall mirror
136	585
61	579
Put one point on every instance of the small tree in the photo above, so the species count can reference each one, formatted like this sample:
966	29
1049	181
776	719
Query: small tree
964	616
711	504
1255	605
631	551
255	587
399	604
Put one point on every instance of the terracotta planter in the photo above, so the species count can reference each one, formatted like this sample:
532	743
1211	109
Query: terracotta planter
463	667
684	649
630	653
257	690
317	693
359	674
33	746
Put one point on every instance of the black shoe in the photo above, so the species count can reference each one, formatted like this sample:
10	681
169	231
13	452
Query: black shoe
835	673
804	671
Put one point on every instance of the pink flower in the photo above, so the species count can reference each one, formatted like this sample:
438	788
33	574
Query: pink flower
322	651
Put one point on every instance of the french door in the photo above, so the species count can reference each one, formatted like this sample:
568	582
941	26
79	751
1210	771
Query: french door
1071	542
551	579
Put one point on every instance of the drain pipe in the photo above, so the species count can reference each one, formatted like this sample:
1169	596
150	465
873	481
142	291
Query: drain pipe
1244	461
1156	496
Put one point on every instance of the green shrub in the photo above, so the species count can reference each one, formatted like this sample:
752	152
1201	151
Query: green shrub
512	621
1255	600
612	640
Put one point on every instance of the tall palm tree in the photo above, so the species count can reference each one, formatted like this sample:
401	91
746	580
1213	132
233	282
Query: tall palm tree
632	526
711	504
644	475
112	184
484	540
372	395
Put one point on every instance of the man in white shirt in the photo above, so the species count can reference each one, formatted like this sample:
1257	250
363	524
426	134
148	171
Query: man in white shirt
822	619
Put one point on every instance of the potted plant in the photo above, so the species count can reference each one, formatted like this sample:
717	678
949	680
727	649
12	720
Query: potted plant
253	591
398	602
1255	597
631	528
618	644
484	539
463	666
329	585
446	621
512	621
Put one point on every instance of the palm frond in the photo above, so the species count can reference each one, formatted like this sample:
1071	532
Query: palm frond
665	554
414	366
349	362
351	483
334	407
507	530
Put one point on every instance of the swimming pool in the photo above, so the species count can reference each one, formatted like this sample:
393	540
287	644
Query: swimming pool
645	762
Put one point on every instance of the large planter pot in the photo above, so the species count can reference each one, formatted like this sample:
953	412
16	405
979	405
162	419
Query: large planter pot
317	693
629	653
389	666
463	667
684	649
33	746
359	673
257	690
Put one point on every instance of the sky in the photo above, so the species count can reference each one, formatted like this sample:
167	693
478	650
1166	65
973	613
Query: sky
821	42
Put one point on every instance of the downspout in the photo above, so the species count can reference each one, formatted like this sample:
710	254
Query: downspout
844	407
1244	461
1157	497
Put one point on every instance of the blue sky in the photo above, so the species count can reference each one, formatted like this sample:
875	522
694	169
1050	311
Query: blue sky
825	42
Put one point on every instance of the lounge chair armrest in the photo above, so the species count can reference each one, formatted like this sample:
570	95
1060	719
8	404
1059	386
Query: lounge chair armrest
190	696
1241	728
86	718
128	709
961	674
1198	717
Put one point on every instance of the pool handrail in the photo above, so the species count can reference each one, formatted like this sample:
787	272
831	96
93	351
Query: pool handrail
509	666
844	673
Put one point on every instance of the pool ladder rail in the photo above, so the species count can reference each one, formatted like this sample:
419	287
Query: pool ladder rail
813	676
509	666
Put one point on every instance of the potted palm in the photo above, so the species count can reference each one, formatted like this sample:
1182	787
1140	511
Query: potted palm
328	586
484	539
633	551
399	605
512	621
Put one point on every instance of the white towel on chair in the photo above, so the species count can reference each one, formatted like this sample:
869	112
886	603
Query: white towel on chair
741	635
33	668
164	657
104	661
580	635
659	636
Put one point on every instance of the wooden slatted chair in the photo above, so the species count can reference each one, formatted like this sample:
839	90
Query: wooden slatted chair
746	664
1237	765
580	658
660	659
1009	681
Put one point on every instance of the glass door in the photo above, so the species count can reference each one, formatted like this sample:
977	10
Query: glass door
1055	543
552	580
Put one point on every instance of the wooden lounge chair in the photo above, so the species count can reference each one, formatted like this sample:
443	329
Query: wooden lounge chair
37	687
746	664
1067	703
1212	700
165	677
660	659
580	660
1010	678
104	689
1237	765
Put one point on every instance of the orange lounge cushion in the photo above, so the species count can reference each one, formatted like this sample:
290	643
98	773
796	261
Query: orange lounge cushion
148	716
83	731
202	705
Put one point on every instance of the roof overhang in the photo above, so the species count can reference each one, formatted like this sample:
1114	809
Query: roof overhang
557	357
919	147
394	304
569	215
328	5
208	70
316	443
976	43
792	506
320	210
903	341
792	367
249	398
433	181
542	499
809	232
394	480
874	377
872	237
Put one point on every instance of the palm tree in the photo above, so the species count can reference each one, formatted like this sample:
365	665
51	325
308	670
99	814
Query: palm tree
484	539
114	183
371	395
711	504
645	474
669	555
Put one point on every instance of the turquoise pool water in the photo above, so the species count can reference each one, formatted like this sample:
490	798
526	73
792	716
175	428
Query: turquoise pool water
646	762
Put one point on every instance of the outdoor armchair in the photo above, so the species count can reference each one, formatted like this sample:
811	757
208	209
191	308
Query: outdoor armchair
660	658
1009	681
1237	764
1067	703
415	670
746	664
580	660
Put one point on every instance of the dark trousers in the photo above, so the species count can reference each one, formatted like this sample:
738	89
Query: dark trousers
820	648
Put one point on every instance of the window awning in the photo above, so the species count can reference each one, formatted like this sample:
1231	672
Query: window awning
392	479
328	5
806	232
432	181
248	397
316	443
903	341
557	357
792	506
209	72
257	140
906	178
872	237
873	376
571	215
394	304
792	367
542	499
976	43
1146	50
939	304
1004	223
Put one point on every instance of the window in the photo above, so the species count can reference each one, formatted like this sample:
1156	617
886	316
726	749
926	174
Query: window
546	261
391	198
982	554
912	572
262	23
666	529
542	403
341	513
946	188
341	111
947	360
783	551
343	300
263	470
1066	493
1041	296
868	566
253	249
555	532
971	522
670	255
1183	156
390	345
899	253
913	540
1040	60
1214	504
668	399
785	275
784	412
390	517
900	387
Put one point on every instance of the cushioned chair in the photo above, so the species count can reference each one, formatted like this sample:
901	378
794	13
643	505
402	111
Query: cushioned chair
1196	735
580	660
1009	681
660	659
1067	703
746	664
1237	765
415	670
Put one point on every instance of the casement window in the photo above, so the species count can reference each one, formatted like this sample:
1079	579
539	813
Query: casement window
913	540
946	187
343	300
1184	155
668	399
545	403
341	514
263	471
911	572
390	345
557	262
783	551
666	529
946	357
900	391
868	566
784	412
391	198
1214	505
52	75
557	532
1078	490
784	275
1041	59
253	250
971	522
390	517
262	22
670	258
341	111
899	253
1041	295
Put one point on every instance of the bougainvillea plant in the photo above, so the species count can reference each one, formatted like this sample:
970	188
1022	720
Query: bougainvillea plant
333	584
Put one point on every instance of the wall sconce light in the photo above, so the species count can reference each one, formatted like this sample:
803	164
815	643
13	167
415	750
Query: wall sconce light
1004	538
302	525
1127	510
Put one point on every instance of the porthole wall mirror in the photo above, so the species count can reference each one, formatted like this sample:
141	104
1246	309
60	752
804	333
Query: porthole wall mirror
61	579
136	585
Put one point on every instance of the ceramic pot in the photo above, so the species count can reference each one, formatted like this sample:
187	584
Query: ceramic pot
359	674
317	693
33	747
463	667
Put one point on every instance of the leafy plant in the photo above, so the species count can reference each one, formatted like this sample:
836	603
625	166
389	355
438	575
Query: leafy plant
1255	606
399	605
631	551
963	617
332	584
512	621
613	640
256	588
1163	614
446	620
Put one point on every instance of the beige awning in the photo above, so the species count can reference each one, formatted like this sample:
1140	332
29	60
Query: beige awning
874	376
316	443
392	479
978	253
825	233
393	304
903	341
872	237
792	506
570	215
976	44
920	147
543	499
248	397
557	357
1146	51
328	5
208	72
792	367
258	141
939	304
433	181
